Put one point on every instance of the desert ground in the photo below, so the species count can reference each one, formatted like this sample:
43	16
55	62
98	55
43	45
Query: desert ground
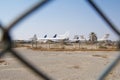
59	65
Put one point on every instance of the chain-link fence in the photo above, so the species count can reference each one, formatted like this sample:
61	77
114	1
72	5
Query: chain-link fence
7	42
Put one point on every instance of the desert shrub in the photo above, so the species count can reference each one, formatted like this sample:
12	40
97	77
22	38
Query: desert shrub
103	47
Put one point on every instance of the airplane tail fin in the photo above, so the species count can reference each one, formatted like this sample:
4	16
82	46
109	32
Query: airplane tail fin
106	36
45	36
82	37
76	37
67	34
64	36
34	38
55	36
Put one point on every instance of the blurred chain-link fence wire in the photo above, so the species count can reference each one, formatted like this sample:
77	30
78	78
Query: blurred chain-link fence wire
114	29
7	42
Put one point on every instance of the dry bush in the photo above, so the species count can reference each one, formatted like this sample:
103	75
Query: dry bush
103	56
75	67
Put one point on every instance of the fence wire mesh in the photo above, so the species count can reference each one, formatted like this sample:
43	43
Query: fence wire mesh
7	40
114	29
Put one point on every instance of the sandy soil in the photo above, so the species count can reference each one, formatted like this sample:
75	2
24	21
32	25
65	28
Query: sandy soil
60	65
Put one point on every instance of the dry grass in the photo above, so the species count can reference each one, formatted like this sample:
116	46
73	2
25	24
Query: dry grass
59	47
103	56
76	67
67	49
1	60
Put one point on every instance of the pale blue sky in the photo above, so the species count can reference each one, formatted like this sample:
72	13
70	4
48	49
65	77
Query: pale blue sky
59	16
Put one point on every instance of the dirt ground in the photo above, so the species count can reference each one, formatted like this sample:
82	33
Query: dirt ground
60	65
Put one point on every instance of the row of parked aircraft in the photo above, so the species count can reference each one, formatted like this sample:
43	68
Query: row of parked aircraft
65	38
55	38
